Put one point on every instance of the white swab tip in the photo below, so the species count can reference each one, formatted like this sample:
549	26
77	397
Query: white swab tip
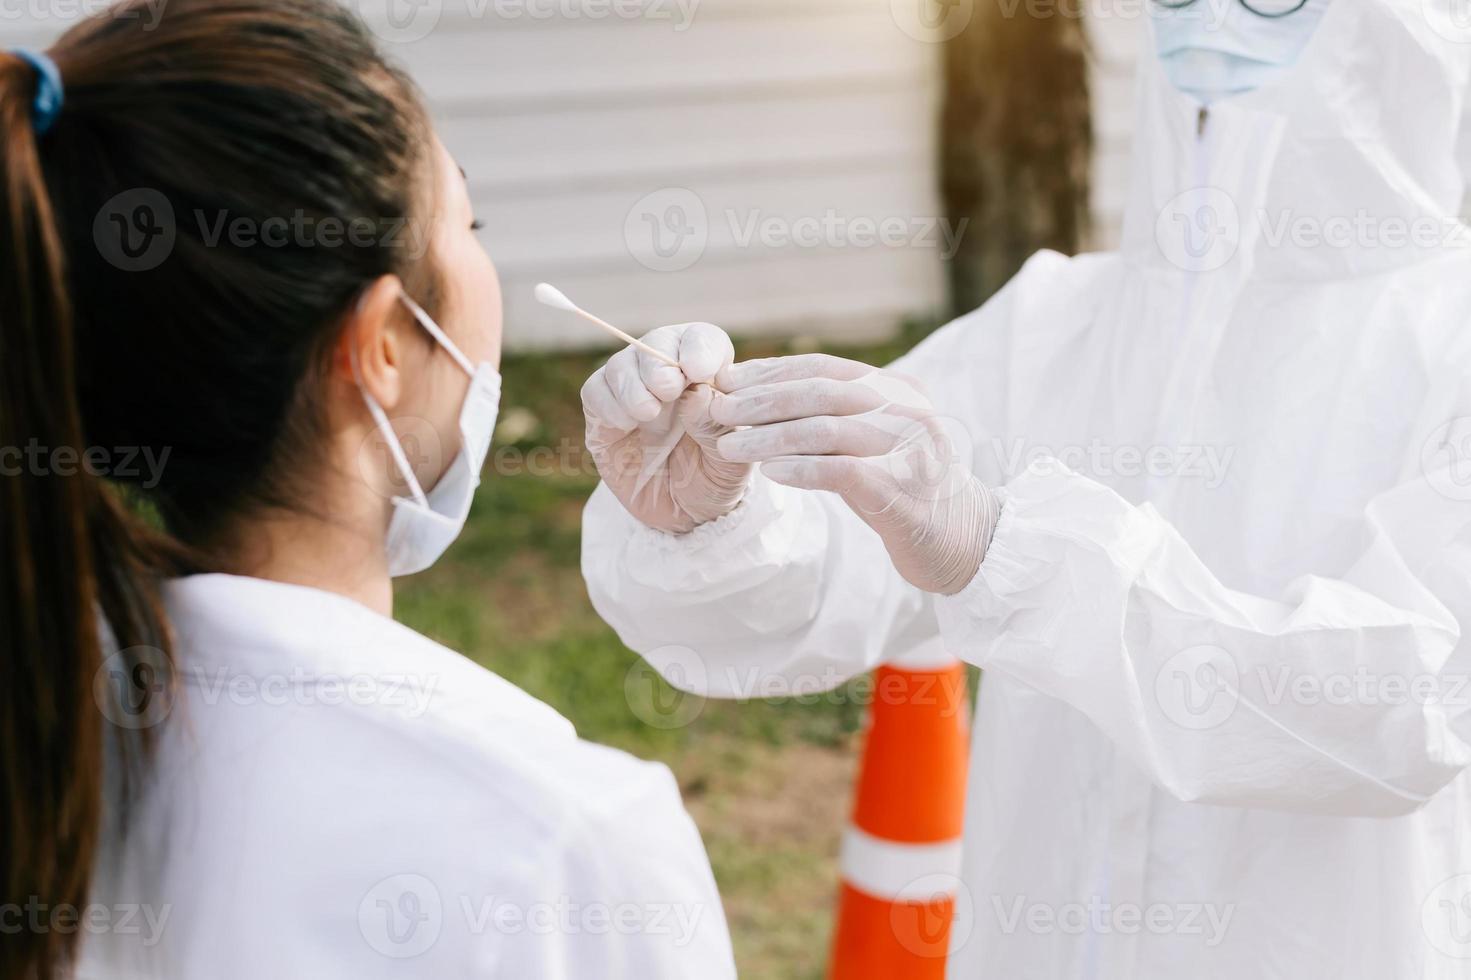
549	295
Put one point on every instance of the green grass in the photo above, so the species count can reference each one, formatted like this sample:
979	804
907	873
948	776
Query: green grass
768	782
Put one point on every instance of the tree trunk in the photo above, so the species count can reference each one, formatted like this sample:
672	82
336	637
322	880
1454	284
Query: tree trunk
1017	139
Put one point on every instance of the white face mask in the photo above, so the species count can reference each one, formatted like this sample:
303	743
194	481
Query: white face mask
423	526
1215	48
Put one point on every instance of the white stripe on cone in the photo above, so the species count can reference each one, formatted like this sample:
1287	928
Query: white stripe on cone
896	872
926	658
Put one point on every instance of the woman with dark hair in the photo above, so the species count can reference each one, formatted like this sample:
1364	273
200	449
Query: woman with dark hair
231	244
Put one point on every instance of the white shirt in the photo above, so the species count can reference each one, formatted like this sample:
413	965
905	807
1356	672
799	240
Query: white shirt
338	796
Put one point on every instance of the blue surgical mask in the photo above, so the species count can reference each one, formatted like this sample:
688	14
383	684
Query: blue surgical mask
424	525
1215	48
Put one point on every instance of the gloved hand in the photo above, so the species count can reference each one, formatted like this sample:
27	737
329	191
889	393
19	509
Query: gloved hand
871	436
650	433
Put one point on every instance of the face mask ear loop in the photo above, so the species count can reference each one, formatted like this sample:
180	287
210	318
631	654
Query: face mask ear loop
389	435
428	324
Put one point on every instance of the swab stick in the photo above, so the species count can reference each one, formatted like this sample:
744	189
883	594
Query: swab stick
549	295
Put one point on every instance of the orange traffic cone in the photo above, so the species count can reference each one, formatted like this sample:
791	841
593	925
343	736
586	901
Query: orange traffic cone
901	854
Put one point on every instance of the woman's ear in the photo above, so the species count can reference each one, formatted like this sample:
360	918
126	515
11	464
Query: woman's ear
371	345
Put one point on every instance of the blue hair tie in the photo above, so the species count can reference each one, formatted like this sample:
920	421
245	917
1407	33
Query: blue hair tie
50	94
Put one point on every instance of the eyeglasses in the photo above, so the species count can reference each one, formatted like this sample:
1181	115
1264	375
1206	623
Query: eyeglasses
1262	8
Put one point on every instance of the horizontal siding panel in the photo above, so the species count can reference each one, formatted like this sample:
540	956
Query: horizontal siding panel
1112	160
466	16
1112	94
650	145
19	25
602	62
1117	31
591	230
769	111
1115	41
787	110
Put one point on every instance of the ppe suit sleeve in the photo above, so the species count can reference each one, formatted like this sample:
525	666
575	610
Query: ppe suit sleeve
627	893
789	593
792	592
1338	696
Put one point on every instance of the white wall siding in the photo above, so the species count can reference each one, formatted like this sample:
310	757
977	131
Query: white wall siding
806	115
1115	42
722	117
578	133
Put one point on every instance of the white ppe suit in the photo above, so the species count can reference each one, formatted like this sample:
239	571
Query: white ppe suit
1223	726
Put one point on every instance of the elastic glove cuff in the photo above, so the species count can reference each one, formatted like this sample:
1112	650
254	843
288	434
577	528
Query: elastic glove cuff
763	531
967	618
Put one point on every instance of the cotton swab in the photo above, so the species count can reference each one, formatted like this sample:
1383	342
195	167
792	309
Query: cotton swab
549	295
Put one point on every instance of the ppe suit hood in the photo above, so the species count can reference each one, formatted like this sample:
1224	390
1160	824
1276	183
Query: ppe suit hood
1342	165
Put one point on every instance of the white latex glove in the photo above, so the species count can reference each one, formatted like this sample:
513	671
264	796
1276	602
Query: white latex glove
650	433
872	437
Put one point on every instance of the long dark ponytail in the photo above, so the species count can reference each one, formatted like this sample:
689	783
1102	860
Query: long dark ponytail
204	354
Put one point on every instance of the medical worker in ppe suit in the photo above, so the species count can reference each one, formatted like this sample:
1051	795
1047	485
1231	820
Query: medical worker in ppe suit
1211	547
